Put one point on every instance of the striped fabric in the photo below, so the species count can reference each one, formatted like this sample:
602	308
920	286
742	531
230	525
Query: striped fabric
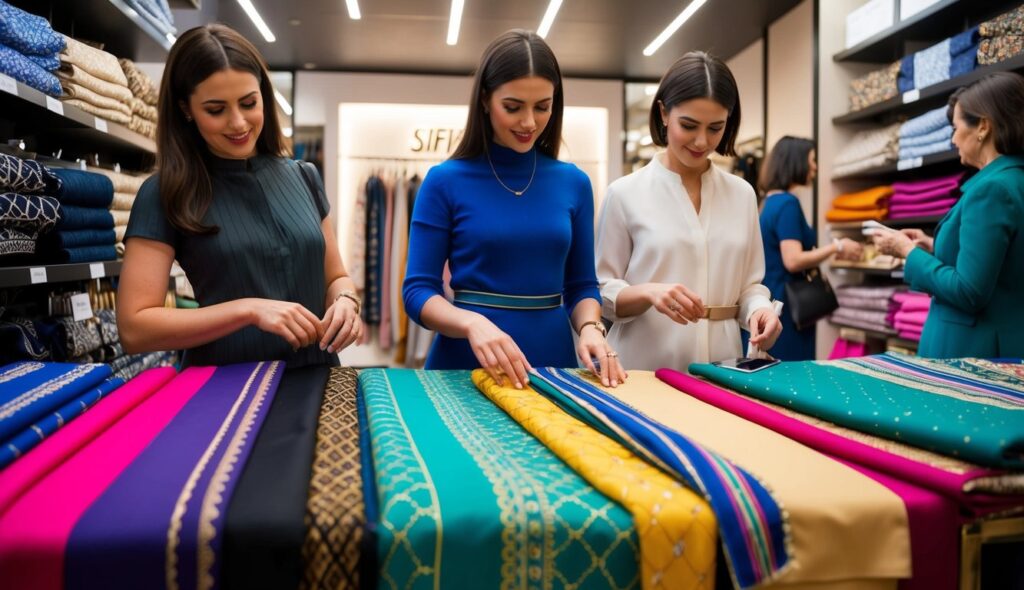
751	522
31	390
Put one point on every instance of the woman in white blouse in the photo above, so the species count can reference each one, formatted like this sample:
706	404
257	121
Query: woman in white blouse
679	254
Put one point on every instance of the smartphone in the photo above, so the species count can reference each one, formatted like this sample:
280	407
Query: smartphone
746	365
871	227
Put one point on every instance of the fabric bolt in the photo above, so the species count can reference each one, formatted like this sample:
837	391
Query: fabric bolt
26	176
931	65
123	183
335	509
939	135
187	473
264	526
923	124
139	363
867	163
82	94
108	114
966	408
964	63
937	207
858	318
905	78
80	337
874	303
97	62
153	15
27	33
965	42
140	108
122	202
30	390
32	214
82	188
139	82
270	245
369	571
844	348
28	72
1001	48
83	237
901	198
869	143
874	87
883	292
934	147
50	63
15	242
71	74
753	528
19	444
33	551
143	126
926	186
445	456
867	199
75	217
539	243
1008	22
81	254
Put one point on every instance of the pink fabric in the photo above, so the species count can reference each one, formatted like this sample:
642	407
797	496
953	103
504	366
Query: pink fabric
916	318
914	335
920	186
844	348
384	330
942	192
44	458
947	483
922	208
35	529
907	296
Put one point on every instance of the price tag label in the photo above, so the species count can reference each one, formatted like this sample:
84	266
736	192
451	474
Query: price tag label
97	270
911	96
81	309
100	124
7	84
37	274
55	105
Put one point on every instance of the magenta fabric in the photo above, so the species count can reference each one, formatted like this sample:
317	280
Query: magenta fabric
916	318
844	348
920	186
941	205
935	194
31	546
949	484
914	335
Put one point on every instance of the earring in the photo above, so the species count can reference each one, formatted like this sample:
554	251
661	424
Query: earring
981	138
188	118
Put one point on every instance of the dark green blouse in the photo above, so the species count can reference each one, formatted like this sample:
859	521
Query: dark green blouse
270	246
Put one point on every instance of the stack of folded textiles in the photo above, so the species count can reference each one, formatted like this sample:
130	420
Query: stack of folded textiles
867	308
26	212
126	187
868	149
28	49
953	57
143	102
907	313
85	232
94	82
929	133
875	87
1002	37
845	348
871	203
157	13
932	197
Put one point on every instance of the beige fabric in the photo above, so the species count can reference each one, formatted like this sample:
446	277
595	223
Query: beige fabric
845	526
142	86
115	116
122	201
73	90
140	108
72	74
119	232
97	62
123	183
120	217
143	126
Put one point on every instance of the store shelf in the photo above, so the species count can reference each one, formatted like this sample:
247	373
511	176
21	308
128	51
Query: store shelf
888	337
933	95
905	165
893	223
21	276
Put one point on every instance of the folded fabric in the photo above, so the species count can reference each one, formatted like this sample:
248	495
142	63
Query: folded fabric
75	91
85	254
862	165
1009	22
966	42
914	335
143	126
921	186
97	62
120	217
110	115
881	292
73	217
28	72
872	303
30	390
867	199
912	300
844	348
872	316
143	110
50	63
84	189
905	78
927	149
931	65
916	317
122	202
937	193
964	63
14	242
123	183
26	176
937	212
856	214
82	237
941	134
868	143
873	88
931	121
152	14
72	74
1000	48
119	231
27	33
936	207
881	327
141	85
33	214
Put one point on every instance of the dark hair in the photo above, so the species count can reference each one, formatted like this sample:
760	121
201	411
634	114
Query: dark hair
185	188
998	97
514	54
698	75
787	164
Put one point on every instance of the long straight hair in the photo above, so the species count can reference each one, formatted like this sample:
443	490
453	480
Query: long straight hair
185	187
515	54
787	164
698	75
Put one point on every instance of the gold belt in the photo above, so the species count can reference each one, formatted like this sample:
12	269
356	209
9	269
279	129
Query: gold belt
720	312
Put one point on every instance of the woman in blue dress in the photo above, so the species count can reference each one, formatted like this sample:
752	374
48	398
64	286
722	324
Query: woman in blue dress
789	242
516	227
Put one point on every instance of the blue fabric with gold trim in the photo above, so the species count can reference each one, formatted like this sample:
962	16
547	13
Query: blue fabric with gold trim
30	390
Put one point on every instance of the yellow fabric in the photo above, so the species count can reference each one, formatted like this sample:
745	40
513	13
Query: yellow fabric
856	214
845	526
678	532
872	198
401	347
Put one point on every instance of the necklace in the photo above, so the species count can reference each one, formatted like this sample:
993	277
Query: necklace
505	186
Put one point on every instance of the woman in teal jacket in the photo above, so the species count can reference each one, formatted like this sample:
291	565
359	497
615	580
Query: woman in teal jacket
974	266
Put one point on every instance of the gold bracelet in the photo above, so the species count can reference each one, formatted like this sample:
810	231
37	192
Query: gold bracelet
597	324
351	296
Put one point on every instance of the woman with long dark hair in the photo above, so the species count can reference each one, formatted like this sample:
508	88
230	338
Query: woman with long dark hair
515	226
248	226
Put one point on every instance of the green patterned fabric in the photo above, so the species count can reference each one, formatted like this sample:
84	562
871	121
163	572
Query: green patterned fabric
468	499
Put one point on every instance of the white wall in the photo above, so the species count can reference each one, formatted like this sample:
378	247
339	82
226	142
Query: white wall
747	68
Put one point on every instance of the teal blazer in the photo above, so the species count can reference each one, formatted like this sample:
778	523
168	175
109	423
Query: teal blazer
976	276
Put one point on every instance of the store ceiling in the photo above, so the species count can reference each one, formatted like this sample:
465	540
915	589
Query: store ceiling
592	38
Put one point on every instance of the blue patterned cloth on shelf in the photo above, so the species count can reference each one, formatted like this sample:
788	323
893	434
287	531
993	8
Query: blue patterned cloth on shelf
27	33
931	121
931	65
941	134
14	242
924	150
964	42
28	72
83	237
50	63
953	57
32	214
154	13
85	189
905	79
964	63
73	217
26	176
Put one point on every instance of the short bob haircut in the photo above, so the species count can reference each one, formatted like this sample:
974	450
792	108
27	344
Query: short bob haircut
514	54
998	97
698	75
786	165
185	186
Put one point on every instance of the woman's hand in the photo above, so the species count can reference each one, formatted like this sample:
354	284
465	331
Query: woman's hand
765	328
676	301
852	249
496	352
291	321
592	345
340	326
920	239
893	243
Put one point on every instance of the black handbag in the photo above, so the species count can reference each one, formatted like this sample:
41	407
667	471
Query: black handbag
810	298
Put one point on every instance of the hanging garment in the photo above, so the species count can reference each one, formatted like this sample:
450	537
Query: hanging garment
26	176
27	33
384	330
28	72
376	204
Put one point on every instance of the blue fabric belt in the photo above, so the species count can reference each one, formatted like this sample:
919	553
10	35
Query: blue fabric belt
508	301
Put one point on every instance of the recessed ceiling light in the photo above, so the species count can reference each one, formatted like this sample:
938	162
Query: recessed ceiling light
283	102
673	27
353	9
549	18
455	21
257	20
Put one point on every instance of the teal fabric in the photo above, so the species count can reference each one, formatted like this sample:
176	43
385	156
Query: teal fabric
976	276
965	408
270	245
468	499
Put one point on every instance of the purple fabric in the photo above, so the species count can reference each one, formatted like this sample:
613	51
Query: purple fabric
920	186
124	534
923	208
928	196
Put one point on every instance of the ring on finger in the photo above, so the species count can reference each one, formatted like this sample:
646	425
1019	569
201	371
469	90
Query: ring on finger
673	307
612	354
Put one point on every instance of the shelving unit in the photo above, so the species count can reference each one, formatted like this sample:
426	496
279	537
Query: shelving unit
22	276
893	273
893	223
931	160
